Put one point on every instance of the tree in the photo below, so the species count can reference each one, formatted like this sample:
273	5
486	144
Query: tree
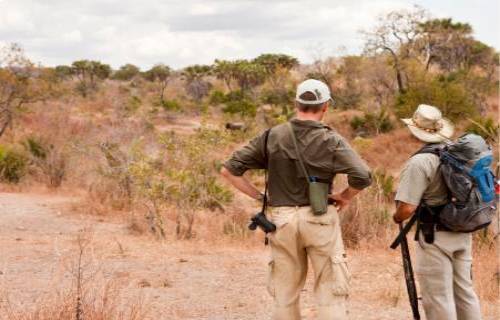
395	35
63	72
159	74
89	73
273	62
248	74
224	70
196	86
450	46
21	83
348	93
126	72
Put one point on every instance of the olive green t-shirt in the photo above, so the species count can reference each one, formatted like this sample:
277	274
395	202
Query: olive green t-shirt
421	180
323	150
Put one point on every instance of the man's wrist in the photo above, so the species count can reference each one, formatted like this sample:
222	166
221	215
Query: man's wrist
260	197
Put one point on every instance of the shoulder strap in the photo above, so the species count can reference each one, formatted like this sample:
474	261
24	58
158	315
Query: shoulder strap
266	159
434	148
294	139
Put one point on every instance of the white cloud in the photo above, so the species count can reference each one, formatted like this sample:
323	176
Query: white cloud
185	32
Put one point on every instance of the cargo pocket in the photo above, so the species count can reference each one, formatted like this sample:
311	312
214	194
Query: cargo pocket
320	229
270	279
341	276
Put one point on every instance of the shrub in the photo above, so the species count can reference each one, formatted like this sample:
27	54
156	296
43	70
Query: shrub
277	97
133	103
170	105
126	72
12	164
485	127
244	107
447	93
372	123
51	160
384	182
217	97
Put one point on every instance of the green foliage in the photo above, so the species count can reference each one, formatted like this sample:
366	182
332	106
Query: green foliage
244	107
486	127
247	74
273	62
49	159
159	72
171	105
278	98
372	123
196	85
133	104
35	147
348	94
160	75
126	72
217	97
446	93
235	102
384	182
63	72
89	73
12	164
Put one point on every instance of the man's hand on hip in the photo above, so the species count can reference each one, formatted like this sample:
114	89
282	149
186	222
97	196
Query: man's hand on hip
343	199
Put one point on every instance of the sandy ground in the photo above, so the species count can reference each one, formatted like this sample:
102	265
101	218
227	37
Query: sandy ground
175	279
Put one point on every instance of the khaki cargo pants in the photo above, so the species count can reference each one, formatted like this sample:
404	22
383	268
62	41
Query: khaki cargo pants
444	273
300	235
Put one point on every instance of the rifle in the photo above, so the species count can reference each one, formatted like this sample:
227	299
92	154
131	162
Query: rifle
409	278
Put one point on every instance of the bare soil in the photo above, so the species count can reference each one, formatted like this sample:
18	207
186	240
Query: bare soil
177	279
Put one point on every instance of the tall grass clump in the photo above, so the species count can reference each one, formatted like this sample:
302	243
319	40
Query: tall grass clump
12	164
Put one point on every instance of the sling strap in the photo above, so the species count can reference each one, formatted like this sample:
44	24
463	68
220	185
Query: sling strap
299	157
266	161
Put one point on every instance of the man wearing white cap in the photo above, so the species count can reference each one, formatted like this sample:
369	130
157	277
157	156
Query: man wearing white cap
443	267
302	158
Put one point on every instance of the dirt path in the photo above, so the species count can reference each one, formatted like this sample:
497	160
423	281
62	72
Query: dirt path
177	279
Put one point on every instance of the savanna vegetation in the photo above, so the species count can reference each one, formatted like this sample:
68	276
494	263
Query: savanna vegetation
146	145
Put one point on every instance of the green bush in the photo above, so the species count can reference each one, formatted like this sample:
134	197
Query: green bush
448	93
171	105
485	127
372	123
12	164
235	102
244	107
35	147
133	103
217	97
277	97
384	182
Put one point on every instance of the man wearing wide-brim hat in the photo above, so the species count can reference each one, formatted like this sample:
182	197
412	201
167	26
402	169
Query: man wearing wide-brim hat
443	267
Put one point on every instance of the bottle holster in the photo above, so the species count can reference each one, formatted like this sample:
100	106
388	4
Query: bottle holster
427	221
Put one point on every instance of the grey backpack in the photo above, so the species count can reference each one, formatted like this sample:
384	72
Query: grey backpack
465	167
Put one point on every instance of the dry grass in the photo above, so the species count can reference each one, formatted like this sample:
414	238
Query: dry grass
100	303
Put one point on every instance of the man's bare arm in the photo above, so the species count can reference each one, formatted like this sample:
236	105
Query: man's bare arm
403	211
241	183
343	198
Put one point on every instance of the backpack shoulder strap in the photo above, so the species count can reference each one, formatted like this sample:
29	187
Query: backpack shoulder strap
433	148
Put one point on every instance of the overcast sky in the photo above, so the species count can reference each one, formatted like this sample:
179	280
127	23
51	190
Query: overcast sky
180	33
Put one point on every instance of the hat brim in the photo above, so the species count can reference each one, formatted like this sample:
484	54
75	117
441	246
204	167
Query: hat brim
445	133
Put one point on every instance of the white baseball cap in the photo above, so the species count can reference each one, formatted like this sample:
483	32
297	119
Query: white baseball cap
317	88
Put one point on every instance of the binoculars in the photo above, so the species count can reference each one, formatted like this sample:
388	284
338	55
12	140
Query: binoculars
260	220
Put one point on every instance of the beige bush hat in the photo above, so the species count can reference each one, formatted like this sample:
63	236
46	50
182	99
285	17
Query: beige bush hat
428	125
